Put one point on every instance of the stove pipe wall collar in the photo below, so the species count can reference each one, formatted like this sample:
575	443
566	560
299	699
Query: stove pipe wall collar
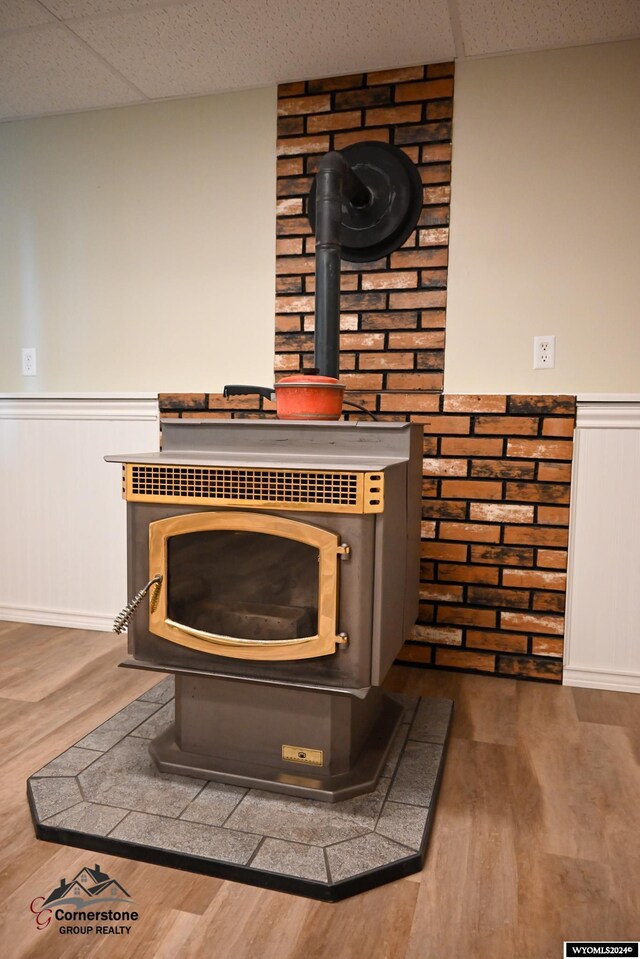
364	203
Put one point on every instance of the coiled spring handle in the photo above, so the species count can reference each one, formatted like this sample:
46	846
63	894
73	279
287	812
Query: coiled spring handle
123	619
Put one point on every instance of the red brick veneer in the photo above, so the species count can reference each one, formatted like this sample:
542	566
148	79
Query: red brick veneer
393	310
495	512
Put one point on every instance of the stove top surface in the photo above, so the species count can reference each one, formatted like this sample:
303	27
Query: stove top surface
280	444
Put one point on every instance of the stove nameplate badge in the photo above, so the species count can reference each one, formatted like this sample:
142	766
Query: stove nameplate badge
300	754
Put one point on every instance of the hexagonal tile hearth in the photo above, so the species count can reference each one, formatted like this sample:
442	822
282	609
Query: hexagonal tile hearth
106	794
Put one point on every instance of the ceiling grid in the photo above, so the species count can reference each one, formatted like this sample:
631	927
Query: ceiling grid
64	56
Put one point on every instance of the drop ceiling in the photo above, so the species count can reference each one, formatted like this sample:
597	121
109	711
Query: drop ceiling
61	56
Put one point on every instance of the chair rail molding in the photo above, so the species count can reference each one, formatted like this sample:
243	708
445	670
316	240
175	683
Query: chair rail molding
62	518
78	406
602	647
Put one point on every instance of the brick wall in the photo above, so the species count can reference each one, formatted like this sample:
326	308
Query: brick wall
393	313
495	514
496	468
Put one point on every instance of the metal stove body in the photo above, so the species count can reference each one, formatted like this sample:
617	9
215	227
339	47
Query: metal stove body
287	555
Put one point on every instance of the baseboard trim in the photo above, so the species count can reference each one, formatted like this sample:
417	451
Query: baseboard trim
621	682
65	618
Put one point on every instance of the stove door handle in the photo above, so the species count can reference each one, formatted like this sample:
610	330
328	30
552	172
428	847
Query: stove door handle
266	391
123	618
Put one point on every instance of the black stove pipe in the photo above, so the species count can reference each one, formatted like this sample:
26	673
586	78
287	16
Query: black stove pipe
335	182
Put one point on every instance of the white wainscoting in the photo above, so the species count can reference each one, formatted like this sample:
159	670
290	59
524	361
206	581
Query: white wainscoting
62	517
602	646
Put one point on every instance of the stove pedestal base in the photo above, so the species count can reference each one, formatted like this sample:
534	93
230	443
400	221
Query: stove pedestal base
316	744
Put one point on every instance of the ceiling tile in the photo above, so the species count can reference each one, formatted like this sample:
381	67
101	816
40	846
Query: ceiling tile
202	47
69	9
47	70
498	26
15	14
175	48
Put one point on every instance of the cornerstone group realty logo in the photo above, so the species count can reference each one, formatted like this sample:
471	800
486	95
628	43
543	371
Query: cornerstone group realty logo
92	903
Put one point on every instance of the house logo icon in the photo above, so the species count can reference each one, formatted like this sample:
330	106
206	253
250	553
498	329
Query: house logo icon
89	896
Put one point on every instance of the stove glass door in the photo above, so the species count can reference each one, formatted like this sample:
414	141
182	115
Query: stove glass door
238	583
246	585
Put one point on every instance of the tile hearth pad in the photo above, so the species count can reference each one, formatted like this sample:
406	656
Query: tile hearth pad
106	794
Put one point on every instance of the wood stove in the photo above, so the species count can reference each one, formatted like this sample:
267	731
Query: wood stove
282	557
285	561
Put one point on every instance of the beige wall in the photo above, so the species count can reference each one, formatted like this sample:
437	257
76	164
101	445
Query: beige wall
137	246
545	226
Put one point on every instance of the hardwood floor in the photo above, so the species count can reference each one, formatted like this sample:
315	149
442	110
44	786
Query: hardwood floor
536	836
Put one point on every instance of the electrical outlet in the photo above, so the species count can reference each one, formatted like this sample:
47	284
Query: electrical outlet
544	352
29	361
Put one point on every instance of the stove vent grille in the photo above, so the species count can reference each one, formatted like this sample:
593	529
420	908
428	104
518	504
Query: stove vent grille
324	491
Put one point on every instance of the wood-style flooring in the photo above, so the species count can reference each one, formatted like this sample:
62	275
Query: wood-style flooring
536	836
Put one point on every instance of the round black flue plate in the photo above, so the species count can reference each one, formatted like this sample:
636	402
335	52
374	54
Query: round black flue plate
371	232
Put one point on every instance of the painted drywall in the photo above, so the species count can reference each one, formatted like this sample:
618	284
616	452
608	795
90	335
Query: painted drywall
545	221
137	246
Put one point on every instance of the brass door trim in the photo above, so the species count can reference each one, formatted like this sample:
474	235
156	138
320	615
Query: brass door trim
329	548
320	491
235	641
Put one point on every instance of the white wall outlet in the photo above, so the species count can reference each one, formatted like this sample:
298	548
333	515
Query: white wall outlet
29	361
544	352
